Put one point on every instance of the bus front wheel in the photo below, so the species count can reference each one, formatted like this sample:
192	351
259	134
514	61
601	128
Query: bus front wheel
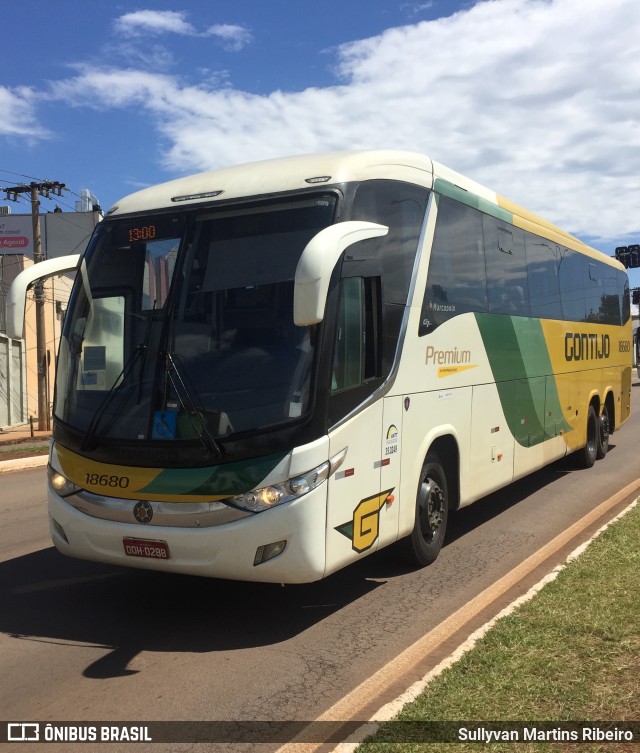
432	508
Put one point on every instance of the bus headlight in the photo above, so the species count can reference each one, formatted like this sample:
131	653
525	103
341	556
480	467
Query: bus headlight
60	484
258	500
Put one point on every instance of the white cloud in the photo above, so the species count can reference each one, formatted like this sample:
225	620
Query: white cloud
417	7
154	22
538	99
112	88
234	37
129	52
18	114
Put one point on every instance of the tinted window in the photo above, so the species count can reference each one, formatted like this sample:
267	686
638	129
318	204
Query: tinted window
356	364
401	207
543	258
610	312
507	286
526	274
456	280
572	267
623	293
348	355
240	247
594	290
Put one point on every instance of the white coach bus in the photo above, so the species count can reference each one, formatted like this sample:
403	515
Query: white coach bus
270	371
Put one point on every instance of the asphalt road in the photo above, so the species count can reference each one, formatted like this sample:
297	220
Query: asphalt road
86	642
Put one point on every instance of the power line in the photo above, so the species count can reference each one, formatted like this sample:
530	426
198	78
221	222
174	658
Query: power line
57	198
20	175
36	189
32	177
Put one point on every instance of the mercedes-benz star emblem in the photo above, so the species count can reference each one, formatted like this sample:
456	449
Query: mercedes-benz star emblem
143	512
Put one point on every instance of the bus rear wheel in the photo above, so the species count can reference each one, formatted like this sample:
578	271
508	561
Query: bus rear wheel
603	433
586	457
432	508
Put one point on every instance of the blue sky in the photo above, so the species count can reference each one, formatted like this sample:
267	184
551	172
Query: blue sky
537	99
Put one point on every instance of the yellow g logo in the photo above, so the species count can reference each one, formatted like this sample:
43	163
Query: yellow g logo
363	530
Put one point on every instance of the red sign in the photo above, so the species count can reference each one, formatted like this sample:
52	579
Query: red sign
19	241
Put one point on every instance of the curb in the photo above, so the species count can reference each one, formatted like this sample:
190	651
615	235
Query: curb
393	708
20	464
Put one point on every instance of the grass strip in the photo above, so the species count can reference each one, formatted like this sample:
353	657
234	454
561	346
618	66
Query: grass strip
9	452
571	653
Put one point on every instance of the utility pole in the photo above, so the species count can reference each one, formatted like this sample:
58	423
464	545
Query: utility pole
34	190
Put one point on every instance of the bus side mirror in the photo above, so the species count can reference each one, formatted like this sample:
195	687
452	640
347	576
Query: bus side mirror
316	265
18	290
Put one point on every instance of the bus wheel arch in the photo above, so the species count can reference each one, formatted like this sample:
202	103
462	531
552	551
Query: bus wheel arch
437	493
446	448
610	405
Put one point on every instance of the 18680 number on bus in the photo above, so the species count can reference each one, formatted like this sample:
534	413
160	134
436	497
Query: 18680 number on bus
104	479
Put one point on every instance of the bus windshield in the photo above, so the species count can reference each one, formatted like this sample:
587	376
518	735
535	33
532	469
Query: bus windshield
181	325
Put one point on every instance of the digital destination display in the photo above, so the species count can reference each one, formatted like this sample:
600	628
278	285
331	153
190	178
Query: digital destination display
147	229
142	233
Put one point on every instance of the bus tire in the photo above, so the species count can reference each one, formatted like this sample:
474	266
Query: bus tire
586	457
603	433
432	507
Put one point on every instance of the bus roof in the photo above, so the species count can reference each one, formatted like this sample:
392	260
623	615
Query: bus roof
279	175
323	170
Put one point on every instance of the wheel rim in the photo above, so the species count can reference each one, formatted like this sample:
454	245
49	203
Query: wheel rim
431	508
604	428
592	434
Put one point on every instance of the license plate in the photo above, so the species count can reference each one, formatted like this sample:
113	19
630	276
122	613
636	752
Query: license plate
157	550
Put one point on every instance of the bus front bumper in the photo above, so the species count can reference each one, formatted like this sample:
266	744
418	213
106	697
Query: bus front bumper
231	551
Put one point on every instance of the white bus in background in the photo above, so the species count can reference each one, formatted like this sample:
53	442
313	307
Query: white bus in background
270	371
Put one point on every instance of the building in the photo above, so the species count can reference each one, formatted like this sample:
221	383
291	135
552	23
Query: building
62	233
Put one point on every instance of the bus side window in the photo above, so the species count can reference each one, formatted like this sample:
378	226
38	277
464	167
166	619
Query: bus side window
571	267
623	295
545	263
456	283
507	285
357	348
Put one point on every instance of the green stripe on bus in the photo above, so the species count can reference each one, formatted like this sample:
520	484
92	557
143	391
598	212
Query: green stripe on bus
226	479
452	191
521	366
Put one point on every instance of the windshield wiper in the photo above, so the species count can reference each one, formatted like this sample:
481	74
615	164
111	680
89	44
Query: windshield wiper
139	353
106	402
196	413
